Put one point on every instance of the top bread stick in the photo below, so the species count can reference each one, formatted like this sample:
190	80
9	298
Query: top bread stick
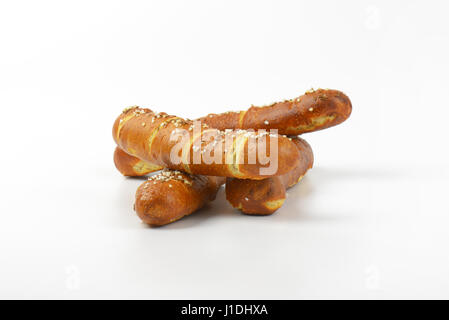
148	136
313	111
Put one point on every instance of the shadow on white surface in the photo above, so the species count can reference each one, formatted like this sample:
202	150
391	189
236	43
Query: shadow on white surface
327	174
298	206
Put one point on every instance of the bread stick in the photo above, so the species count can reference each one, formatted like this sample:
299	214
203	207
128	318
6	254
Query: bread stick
313	111
147	136
156	202
265	196
131	166
171	195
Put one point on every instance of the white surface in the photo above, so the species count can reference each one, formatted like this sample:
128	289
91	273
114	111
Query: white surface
370	220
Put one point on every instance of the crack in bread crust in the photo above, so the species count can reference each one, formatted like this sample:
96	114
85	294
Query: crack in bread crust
155	132
316	122
122	123
143	167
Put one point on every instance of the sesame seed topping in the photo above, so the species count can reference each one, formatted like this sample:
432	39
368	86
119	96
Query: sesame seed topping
311	90
322	97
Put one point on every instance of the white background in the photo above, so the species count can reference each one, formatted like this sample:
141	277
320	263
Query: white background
369	221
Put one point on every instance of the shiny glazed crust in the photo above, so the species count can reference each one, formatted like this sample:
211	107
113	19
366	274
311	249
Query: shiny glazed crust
313	111
171	195
131	166
265	196
146	135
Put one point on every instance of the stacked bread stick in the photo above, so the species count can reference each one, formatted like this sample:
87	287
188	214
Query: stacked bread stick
257	153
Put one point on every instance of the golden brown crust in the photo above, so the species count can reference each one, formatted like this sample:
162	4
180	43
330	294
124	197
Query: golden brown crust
305	164
171	195
264	197
146	135
131	166
313	111
260	197
223	121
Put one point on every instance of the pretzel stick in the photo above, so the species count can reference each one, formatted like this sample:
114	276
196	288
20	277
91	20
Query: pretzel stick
313	111
253	197
131	166
164	199
148	136
171	195
265	196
